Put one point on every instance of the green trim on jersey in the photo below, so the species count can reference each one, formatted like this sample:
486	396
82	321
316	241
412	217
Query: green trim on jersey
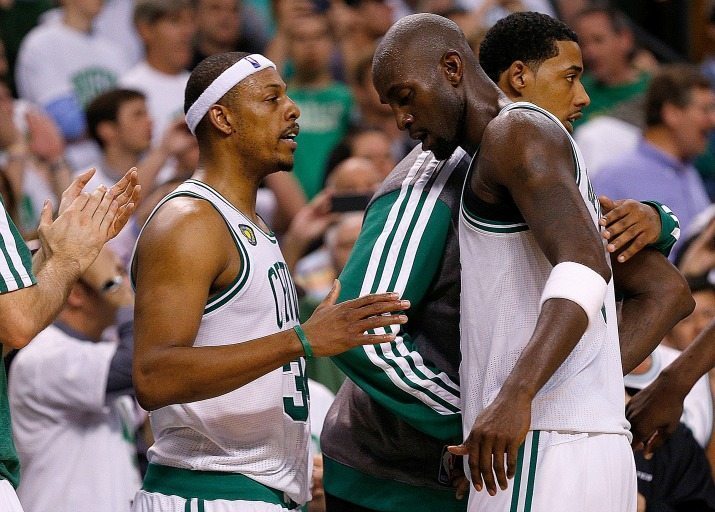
492	226
238	283
270	235
16	257
376	493
9	462
400	248
210	485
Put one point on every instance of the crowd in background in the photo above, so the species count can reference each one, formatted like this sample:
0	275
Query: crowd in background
101	84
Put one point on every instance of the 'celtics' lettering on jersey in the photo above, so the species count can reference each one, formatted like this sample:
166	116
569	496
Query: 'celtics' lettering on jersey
89	82
284	294
260	430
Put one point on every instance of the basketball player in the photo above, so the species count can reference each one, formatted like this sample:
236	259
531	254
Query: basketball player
383	412
219	353
34	289
425	71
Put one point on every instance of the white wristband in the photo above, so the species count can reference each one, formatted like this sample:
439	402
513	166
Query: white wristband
577	283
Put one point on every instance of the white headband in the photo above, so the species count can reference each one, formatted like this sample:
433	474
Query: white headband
223	83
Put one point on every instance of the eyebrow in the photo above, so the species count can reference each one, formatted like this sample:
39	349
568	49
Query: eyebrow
578	69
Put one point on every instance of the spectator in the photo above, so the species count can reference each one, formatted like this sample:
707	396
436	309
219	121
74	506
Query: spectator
71	396
166	28
220	28
324	103
608	45
680	113
119	122
62	66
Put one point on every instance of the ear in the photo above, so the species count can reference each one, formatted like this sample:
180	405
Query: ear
76	297
145	31
515	78
670	114
220	118
453	66
106	130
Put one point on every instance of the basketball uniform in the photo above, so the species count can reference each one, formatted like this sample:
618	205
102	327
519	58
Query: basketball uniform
247	449
579	412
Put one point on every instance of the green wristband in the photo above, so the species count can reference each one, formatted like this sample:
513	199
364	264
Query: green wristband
670	228
303	341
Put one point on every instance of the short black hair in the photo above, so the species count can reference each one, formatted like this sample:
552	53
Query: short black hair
105	108
204	74
530	37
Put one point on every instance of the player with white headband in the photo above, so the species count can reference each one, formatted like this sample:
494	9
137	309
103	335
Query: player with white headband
219	351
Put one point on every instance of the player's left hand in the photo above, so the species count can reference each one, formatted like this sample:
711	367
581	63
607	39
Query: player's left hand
629	226
497	434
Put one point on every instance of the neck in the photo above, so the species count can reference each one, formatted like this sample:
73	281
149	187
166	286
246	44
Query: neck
161	65
88	326
228	175
207	47
476	117
661	138
624	76
118	158
77	20
320	79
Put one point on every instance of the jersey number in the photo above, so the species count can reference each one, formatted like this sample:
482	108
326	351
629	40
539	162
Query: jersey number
295	400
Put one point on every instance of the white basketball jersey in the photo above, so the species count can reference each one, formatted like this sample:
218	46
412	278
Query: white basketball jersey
503	275
260	430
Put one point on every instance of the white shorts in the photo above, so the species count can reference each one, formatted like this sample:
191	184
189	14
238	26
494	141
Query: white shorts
155	502
560	472
168	489
8	498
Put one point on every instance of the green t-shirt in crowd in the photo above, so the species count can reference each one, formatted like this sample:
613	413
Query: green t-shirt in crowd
605	97
324	120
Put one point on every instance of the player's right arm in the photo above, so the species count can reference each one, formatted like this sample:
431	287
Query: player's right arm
176	271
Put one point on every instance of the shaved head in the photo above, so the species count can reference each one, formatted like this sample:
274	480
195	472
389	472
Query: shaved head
418	38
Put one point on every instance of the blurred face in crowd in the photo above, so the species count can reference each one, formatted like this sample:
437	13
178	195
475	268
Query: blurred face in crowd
375	146
375	16
310	45
342	239
355	176
691	125
87	9
683	334
606	52
169	40
219	21
133	126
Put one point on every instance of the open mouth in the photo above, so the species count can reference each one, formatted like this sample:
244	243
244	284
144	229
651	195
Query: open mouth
290	134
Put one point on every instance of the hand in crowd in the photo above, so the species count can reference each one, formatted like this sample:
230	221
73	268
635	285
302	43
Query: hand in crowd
334	328
308	225
44	138
654	414
108	278
177	138
628	225
699	258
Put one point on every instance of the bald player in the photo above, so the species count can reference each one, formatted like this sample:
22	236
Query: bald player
534	210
